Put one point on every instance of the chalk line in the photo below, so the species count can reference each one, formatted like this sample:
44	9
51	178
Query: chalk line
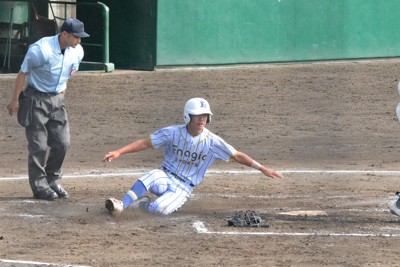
41	263
24	215
201	229
134	173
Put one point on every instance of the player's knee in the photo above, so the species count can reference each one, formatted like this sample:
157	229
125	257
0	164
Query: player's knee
38	148
61	147
159	189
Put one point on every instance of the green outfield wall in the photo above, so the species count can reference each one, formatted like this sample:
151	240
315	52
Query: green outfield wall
204	32
145	34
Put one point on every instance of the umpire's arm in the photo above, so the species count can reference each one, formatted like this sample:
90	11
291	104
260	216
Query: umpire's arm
18	87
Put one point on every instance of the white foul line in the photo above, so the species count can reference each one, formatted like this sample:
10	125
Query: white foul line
41	263
132	173
201	229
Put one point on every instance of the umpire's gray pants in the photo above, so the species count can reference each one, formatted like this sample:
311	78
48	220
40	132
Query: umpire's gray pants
48	139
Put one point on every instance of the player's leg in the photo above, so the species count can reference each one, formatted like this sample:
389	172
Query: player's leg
169	202
395	206
170	197
157	180
59	143
137	191
154	178
37	135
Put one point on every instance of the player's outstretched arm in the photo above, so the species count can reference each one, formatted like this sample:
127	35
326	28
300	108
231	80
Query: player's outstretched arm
136	146
244	159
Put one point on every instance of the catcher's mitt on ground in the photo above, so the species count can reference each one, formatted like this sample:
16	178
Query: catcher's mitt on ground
247	218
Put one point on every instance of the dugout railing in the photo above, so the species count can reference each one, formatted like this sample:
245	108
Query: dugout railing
98	43
23	22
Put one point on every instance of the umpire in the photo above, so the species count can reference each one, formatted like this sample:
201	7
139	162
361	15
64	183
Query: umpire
40	108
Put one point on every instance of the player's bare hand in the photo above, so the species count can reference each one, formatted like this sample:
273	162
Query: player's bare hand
271	173
111	156
13	107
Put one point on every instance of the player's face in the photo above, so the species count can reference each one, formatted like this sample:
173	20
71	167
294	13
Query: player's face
197	123
68	39
73	40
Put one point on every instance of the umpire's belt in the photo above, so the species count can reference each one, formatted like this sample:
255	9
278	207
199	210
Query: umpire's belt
36	91
176	176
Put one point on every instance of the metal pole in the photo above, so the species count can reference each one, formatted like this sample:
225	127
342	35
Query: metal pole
8	42
106	40
10	36
108	67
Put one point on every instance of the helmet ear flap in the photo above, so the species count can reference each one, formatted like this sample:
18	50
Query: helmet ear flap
186	118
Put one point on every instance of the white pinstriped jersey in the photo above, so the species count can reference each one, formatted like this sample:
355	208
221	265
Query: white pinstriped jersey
189	157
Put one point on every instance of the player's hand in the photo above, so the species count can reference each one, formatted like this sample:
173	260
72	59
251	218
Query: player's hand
271	173
12	107
111	155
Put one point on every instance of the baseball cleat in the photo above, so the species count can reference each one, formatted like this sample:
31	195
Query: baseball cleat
142	203
46	194
395	206
60	191
114	206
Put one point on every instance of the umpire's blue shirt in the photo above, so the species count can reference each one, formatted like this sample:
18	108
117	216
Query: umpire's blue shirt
47	68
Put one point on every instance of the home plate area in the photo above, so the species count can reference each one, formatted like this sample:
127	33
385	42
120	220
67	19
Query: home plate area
336	223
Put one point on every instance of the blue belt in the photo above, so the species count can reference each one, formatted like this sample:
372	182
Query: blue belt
176	176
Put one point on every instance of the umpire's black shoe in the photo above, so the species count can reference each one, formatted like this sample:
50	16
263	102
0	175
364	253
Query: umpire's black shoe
45	194
60	191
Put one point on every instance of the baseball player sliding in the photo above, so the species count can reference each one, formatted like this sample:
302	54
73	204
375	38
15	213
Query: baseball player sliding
394	207
190	149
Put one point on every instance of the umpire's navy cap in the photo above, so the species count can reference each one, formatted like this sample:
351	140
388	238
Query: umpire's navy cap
75	27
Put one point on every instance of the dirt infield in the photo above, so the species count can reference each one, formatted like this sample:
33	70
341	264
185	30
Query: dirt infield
329	127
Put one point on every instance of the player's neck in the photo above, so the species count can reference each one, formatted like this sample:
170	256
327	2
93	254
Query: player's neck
193	131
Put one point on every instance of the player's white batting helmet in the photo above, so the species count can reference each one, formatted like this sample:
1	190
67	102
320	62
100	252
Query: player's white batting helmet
196	106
